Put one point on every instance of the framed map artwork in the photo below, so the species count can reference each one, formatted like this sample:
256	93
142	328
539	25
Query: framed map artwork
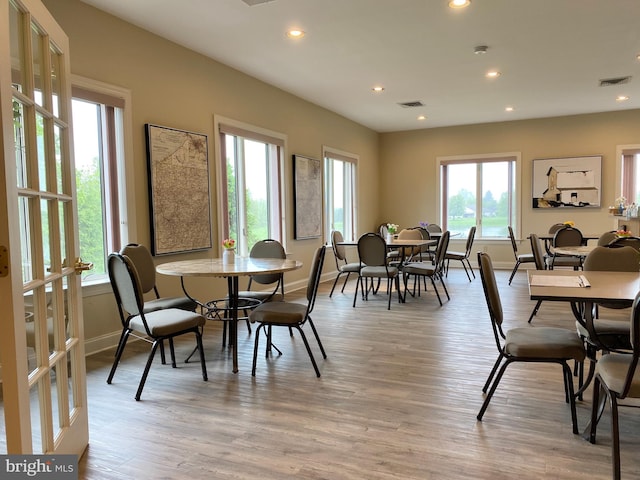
307	187
179	198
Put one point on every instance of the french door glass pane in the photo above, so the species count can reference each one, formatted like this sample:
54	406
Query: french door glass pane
46	238
36	435
24	213
495	199
42	161
55	80
16	46
57	138
461	201
20	144
38	64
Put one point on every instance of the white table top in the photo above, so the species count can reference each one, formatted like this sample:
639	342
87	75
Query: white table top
214	267
576	251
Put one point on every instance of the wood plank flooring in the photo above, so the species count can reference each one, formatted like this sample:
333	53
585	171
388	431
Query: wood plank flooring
397	399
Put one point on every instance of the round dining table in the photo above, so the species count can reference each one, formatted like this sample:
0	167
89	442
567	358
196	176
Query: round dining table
240	267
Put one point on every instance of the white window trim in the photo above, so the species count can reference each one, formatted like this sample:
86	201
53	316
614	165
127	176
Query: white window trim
219	119
126	184
484	156
355	159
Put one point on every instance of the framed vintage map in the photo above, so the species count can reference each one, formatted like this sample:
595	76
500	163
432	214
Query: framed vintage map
307	186
179	199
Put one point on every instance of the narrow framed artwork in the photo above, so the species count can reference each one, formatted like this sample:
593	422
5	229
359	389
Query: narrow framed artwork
570	182
307	187
179	197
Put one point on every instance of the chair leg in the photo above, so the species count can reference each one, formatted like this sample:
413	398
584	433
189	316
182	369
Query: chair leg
200	347
433	283
571	397
152	353
345	282
306	344
493	372
358	284
315	332
615	437
123	341
255	350
334	284
494	385
535	310
470	267
513	273
172	351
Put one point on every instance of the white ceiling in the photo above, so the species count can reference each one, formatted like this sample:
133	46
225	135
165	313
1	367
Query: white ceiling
552	53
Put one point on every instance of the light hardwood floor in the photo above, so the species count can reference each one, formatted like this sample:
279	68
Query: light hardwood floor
397	399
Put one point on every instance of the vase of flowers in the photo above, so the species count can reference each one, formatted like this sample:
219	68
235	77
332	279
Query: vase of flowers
229	251
392	229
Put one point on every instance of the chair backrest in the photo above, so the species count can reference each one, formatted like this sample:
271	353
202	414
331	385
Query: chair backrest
267	249
143	261
314	276
555	227
126	285
514	245
410	234
623	259
470	237
382	230
606	238
635	346
434	228
538	253
425	236
633	242
491	294
338	250
372	250
441	251
567	236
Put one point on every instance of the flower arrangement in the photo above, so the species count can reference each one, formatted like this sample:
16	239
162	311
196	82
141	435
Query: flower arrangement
424	224
229	243
569	223
392	228
621	201
623	233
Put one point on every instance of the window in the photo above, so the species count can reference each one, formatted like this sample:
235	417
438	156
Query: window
479	191
250	172
630	178
98	121
339	193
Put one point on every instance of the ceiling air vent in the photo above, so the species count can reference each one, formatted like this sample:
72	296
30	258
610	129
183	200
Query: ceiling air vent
251	3
607	82
416	103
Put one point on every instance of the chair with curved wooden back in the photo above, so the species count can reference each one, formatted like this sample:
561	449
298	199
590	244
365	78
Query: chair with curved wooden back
520	257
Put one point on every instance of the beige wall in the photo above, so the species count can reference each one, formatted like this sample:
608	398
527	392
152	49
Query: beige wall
175	87
409	158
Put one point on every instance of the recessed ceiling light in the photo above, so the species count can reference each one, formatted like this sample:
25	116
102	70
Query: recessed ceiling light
422	117
622	98
459	3
295	33
508	109
493	74
378	89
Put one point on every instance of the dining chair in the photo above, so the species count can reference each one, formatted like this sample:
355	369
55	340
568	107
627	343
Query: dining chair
143	261
633	242
539	259
565	237
153	326
407	254
606	238
617	378
463	257
435	271
520	257
427	251
526	344
290	314
342	264
372	251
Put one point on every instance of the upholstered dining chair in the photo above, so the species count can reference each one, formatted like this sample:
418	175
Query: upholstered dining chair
154	326
617	377
290	314
520	257
342	264
435	271
463	257
565	237
143	261
372	251
407	254
526	344
539	259
606	238
633	242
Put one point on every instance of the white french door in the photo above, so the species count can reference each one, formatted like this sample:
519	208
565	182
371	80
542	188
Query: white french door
41	347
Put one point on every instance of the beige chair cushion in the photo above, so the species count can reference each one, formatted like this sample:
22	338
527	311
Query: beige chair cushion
544	342
613	368
167	322
282	313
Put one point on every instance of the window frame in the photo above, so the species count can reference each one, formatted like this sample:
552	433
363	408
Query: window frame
329	153
278	146
516	194
124	181
624	186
